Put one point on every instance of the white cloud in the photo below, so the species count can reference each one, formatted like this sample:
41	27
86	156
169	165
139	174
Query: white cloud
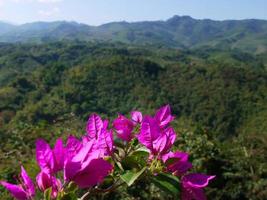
49	13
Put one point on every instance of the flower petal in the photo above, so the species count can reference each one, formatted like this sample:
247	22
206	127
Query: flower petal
44	156
56	186
43	181
72	147
16	190
46	181
197	180
163	116
181	156
71	169
93	174
104	144
124	127
27	182
80	160
137	117
159	144
94	125
177	162
150	132
59	155
193	184
84	152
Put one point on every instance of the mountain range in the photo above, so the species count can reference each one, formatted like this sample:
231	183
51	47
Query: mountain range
248	35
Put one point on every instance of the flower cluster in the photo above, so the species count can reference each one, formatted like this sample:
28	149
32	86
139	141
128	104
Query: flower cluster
87	161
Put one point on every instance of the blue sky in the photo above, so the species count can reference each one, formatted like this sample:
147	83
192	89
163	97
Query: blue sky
95	12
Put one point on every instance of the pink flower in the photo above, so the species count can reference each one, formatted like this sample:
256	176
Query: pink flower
44	156
97	132
163	116
84	163
59	153
177	162
94	126
158	141
164	142
73	146
105	143
124	128
50	161
137	117
150	132
45	181
23	191
192	186
86	168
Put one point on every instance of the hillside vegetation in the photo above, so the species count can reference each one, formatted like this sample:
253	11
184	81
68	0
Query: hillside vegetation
218	97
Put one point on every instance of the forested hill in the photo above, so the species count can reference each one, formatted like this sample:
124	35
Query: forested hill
221	90
218	97
178	32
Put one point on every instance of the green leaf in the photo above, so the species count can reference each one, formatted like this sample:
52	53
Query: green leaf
142	149
137	159
47	194
130	176
167	183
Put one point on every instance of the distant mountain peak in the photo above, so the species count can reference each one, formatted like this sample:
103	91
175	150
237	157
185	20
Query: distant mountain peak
176	19
180	17
177	32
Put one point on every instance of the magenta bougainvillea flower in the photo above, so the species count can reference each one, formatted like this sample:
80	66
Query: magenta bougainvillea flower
177	162
94	126
50	161
149	132
25	190
105	143
59	152
84	163
193	184
46	181
124	128
44	156
164	142
86	168
73	146
97	131
137	117
163	116
155	133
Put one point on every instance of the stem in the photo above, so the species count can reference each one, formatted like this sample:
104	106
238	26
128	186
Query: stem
110	189
128	148
64	185
97	190
85	195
